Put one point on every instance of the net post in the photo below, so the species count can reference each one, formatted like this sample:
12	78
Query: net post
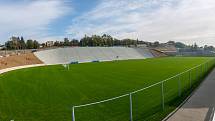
162	95
131	114
73	113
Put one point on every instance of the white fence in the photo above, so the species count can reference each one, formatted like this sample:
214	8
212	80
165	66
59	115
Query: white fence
190	78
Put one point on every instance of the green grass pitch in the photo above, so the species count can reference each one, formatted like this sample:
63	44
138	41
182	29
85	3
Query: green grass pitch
48	93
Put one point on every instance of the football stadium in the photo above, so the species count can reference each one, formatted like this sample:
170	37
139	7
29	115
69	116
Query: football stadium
107	60
99	83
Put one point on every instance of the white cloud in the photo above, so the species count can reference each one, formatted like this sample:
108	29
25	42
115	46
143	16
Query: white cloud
29	18
182	20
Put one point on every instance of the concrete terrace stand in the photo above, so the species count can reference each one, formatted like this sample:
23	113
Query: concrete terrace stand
89	54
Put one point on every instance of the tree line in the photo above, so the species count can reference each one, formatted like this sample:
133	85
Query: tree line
90	41
96	40
193	47
20	43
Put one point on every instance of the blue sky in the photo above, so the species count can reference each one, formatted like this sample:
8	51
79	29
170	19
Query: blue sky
187	21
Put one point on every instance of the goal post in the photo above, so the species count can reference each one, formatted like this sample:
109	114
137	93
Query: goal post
66	66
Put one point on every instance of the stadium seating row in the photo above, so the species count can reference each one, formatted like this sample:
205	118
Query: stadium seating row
91	54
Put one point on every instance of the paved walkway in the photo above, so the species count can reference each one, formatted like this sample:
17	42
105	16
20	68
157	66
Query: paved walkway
200	107
20	67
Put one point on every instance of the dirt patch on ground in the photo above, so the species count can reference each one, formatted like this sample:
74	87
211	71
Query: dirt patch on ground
19	60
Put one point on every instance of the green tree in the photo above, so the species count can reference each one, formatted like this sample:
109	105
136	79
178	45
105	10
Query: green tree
74	42
180	45
9	45
22	43
86	41
66	42
156	43
30	44
36	44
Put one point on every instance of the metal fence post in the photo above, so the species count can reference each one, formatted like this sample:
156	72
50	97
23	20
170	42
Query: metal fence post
209	65
131	114
162	95
73	113
197	74
203	68
179	86
206	67
190	79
